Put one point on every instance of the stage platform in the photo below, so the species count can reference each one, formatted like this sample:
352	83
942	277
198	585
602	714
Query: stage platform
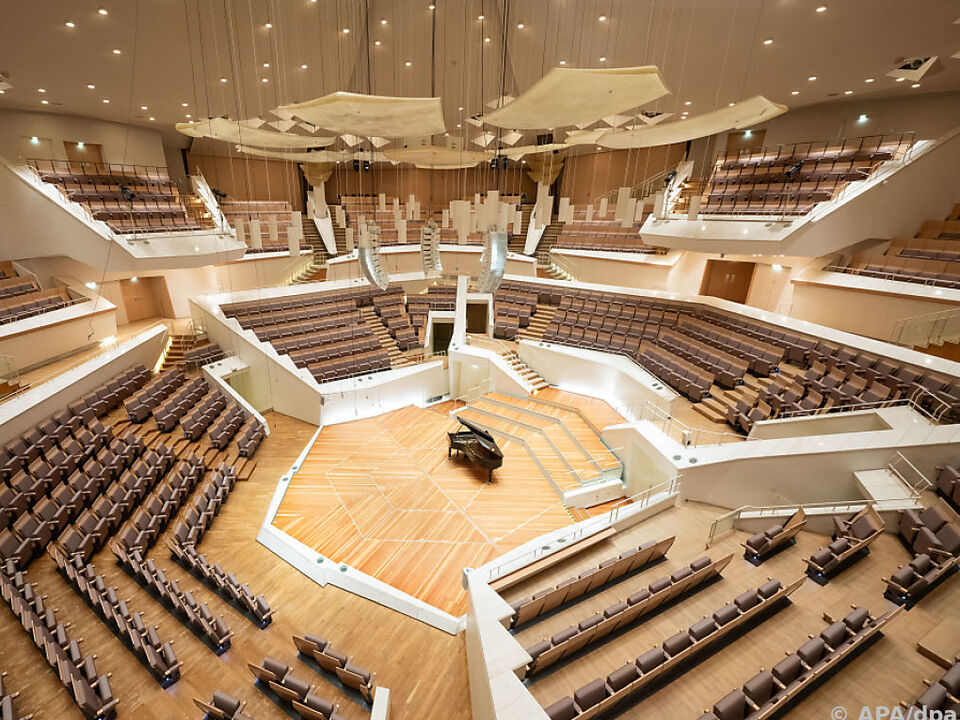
381	496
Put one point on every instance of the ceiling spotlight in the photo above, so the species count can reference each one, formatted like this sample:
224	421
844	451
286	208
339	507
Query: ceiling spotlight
431	7
106	102
152	118
267	26
263	80
408	63
688	102
479	17
223	79
143	107
822	8
730	104
460	108
383	21
812	78
346	31
602	18
70	24
80	145
862	119
486	40
103	11
795	92
303	66
35	140
915	85
40	90
116	51
868	80
377	43
768	41
563	62
266	64
44	102
188	116
519	26
848	92
458	125
603	58
90	86
901	79
183	104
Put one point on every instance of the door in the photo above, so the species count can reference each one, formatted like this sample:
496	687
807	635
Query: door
477	317
442	333
727	280
742	140
83	152
139	299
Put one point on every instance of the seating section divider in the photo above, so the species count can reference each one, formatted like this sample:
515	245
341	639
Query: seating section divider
603	694
616	617
78	672
769	692
608	571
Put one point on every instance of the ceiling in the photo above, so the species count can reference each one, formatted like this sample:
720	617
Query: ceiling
201	58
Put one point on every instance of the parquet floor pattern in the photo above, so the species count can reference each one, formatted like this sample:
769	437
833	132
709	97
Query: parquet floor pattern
424	667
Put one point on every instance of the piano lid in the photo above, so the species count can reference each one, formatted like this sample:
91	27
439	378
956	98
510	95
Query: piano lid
485	438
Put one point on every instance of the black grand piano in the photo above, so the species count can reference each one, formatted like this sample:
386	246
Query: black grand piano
477	444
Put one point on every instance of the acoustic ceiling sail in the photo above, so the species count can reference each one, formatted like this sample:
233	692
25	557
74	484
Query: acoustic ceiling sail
235	131
371	115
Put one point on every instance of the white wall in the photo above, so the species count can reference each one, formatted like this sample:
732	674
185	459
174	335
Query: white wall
121	143
42	338
405	259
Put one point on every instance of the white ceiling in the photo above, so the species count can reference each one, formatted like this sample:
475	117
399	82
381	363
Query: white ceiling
710	52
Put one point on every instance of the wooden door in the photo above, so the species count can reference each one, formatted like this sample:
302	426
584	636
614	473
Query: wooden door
727	280
83	152
476	317
139	300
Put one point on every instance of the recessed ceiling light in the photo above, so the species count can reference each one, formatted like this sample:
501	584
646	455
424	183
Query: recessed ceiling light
688	102
602	18
603	58
519	26
103	11
188	116
223	79
3	92
431	7
346	31
70	24
268	25
822	8
80	145
685	112
116	51
35	140
383	21
40	90
106	102
152	118
563	62
408	63
266	64
795	92
479	17
263	80
458	124
486	40
915	85
848	92
768	41
183	104
900	79
303	66
730	104
868	80
812	78
90	86
143	107
460	108
44	102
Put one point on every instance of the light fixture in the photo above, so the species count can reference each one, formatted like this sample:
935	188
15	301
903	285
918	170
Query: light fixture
80	145
519	26
768	41
563	62
44	102
794	92
41	90
116	51
603	58
268	25
868	80
602	18
901	79
812	78
915	85
223	79
263	80
486	39
863	118
303	66
848	92
90	86
460	108
408	63
35	140
479	17
776	267
188	116
822	8
143	107
431	6
730	104
152	118
70	24
688	102
377	43
458	125
346	31
183	104
91	285
103	11
266	64
748	133
134	279
383	21
106	102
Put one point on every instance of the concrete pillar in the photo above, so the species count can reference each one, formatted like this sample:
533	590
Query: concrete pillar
565	211
589	216
256	239
319	196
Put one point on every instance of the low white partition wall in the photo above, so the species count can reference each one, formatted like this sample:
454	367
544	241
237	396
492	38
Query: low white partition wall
38	339
477	370
323	570
22	412
275	382
404	259
219	374
631	269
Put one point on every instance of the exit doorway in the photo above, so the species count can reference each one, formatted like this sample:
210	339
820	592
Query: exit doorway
728	280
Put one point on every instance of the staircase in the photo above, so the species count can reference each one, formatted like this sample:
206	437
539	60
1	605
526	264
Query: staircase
548	241
316	272
538	323
397	357
177	346
528	374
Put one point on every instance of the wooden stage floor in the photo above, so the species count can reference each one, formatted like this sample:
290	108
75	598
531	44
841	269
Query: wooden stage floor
381	496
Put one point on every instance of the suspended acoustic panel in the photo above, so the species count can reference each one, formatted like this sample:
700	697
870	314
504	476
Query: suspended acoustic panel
236	131
493	260
430	249
522	150
368	252
372	115
438	157
744	114
320	156
585	137
571	96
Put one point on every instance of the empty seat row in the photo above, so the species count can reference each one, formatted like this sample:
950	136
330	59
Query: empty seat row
810	663
8	700
934	531
60	170
762	357
168	414
284	330
180	603
197	419
311	339
603	694
608	571
87	687
351	675
223	707
689	379
851	538
643	602
948	485
763	545
942	696
37	302
728	369
249	437
279	678
223	429
143	641
202	355
206	504
340	349
152	394
361	363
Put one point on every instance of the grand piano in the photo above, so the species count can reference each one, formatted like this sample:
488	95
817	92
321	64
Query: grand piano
477	444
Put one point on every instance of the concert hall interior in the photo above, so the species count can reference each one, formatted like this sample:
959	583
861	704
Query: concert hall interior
479	359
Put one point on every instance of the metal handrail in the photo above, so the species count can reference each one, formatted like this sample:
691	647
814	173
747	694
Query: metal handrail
642	498
688	436
899	402
893	466
641	189
937	320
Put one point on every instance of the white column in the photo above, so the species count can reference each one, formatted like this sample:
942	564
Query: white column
565	210
623	194
589	216
445	218
319	195
629	209
238	226
256	239
402	231
460	210
517	221
381	201
603	208
272	226
294	234
341	216
694	210
544	205
348	235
